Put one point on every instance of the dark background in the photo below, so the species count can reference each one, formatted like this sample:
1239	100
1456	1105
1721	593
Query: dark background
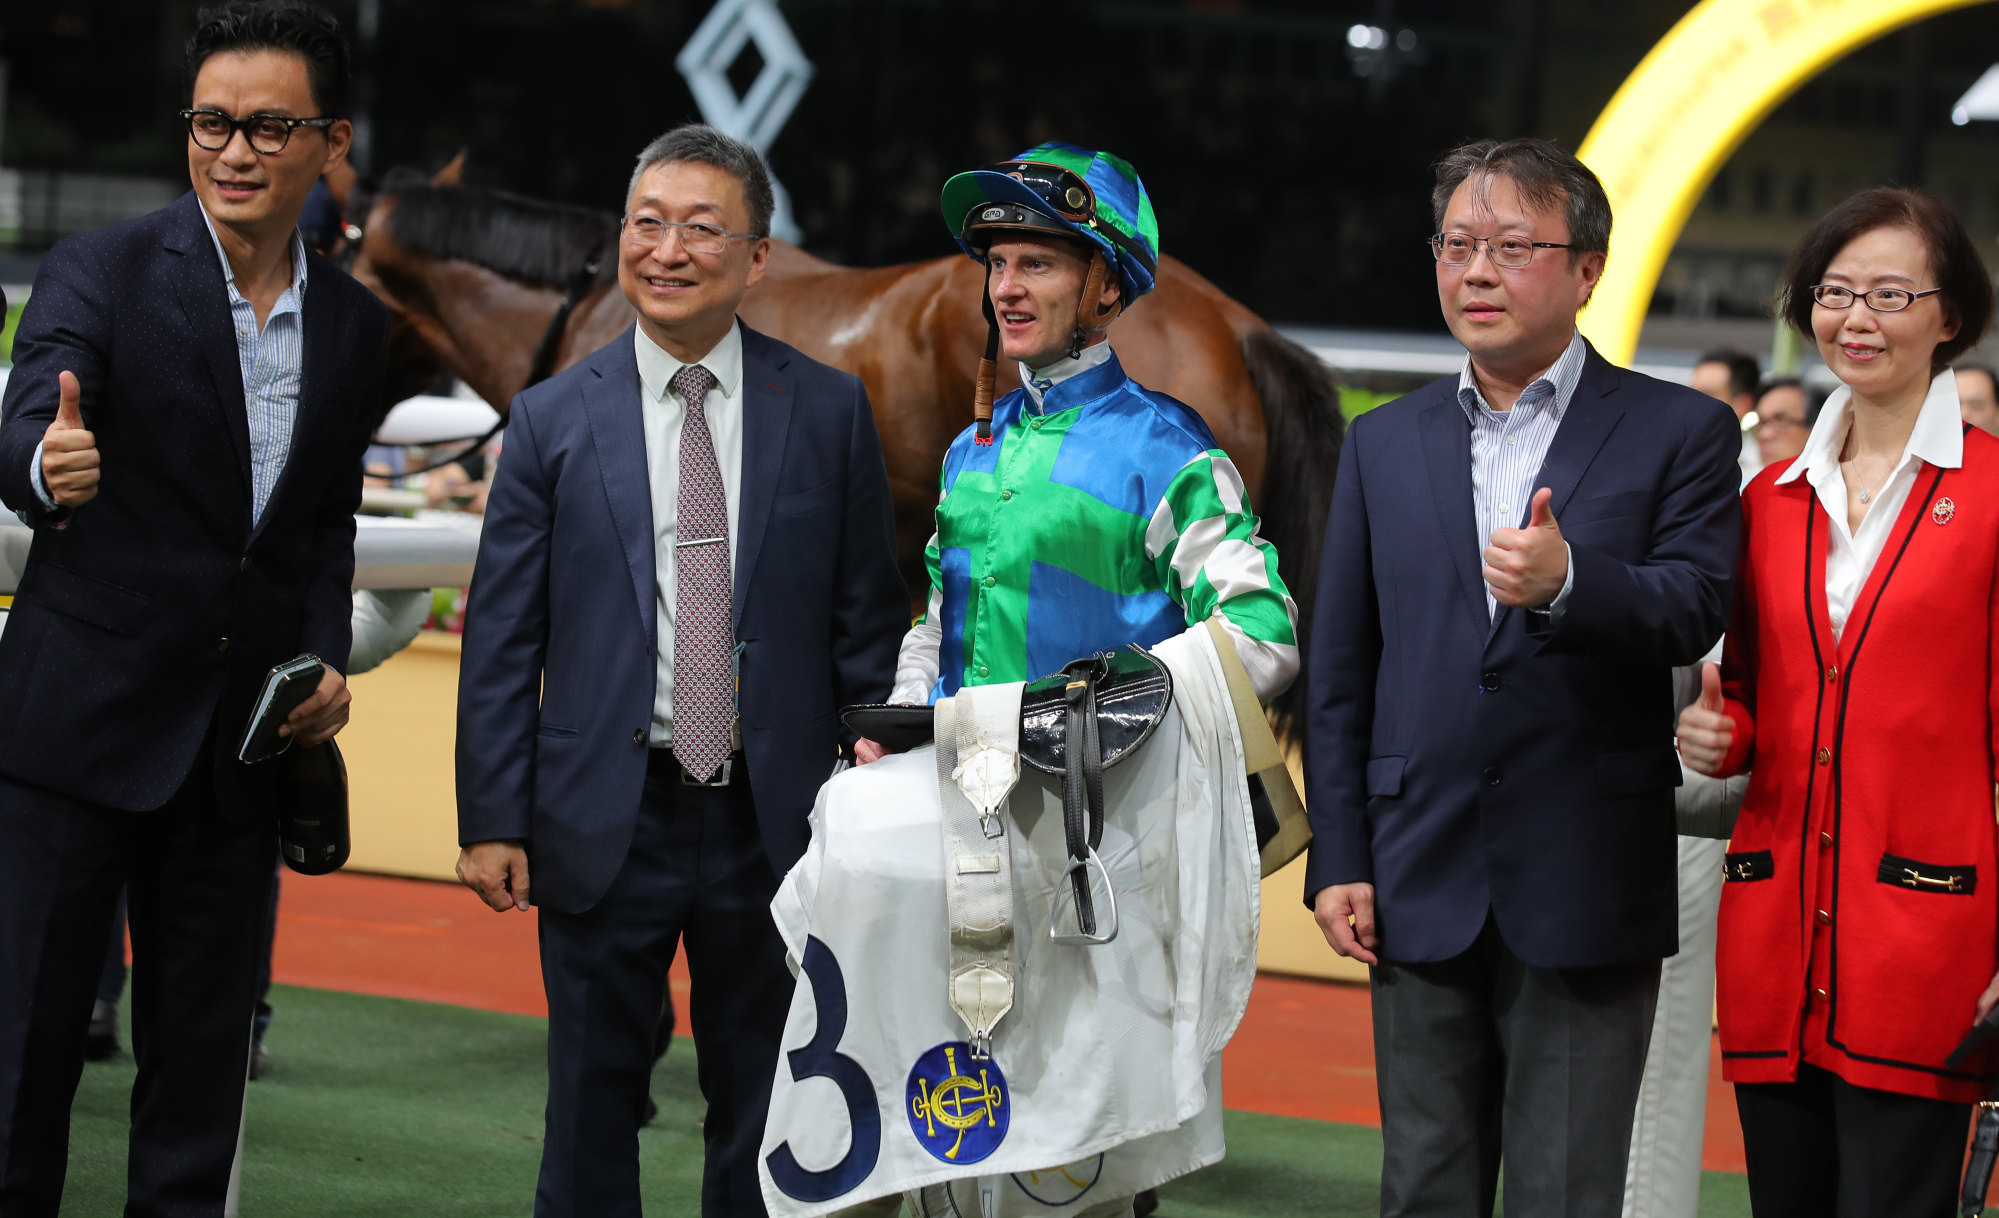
1283	166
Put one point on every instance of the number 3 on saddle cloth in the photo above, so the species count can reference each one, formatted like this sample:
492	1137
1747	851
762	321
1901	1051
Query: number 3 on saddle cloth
965	1010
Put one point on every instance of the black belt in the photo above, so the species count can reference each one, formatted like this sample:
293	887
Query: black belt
664	766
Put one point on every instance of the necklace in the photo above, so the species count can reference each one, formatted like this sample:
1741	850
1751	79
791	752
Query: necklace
1866	495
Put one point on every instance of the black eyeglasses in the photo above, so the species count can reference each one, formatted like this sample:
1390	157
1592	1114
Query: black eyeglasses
1510	250
1881	300
268	133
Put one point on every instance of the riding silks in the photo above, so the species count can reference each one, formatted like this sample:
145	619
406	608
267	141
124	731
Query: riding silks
1109	517
1104	1076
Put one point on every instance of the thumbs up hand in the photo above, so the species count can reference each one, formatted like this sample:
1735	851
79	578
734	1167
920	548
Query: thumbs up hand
69	451
1526	568
1705	732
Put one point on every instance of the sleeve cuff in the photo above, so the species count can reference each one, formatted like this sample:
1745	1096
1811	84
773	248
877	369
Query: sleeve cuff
35	478
1553	609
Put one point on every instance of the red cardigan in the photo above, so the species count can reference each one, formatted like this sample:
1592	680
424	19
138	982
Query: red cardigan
1860	912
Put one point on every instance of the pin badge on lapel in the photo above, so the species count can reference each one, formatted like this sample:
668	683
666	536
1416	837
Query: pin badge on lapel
1942	510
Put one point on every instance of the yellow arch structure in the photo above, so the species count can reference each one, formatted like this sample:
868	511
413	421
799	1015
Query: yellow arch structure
1688	105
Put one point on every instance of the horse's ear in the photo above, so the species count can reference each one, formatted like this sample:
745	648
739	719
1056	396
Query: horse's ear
453	173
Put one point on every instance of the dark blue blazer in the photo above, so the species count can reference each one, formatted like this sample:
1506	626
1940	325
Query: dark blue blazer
1463	765
556	689
151	617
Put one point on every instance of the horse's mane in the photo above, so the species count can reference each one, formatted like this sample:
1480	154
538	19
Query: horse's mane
521	238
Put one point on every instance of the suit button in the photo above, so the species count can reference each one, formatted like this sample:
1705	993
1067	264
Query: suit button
1824	756
638	735
1006	494
984	671
222	645
1491	776
1832	672
1489	682
1825	919
1825	839
1821	995
990	581
243	563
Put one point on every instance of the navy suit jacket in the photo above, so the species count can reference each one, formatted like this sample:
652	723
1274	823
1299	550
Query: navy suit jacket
556	689
1464	765
150	618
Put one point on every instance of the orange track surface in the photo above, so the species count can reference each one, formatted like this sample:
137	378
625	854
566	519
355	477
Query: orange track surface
1305	1048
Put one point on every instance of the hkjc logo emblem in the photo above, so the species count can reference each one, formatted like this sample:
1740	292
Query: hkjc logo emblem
958	1107
1942	510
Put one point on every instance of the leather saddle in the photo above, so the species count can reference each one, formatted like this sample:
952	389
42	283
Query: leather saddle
1074	724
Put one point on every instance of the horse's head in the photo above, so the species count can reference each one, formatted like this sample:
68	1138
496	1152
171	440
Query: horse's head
412	363
475	276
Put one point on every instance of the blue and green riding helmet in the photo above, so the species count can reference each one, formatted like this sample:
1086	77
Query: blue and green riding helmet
1056	189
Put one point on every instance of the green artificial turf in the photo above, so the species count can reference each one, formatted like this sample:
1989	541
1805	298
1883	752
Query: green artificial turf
393	1109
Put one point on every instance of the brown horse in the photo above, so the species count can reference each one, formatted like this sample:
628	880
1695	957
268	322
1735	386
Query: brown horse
477	276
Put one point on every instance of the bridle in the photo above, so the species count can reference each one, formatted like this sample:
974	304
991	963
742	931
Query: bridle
575	288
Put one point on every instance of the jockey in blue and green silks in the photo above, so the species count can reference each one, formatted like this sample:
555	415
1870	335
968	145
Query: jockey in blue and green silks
1098	512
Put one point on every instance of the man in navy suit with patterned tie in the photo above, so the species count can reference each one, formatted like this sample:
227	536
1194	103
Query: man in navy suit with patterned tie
1515	560
222	379
687	568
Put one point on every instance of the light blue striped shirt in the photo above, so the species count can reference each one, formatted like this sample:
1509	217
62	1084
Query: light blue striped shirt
272	365
1508	447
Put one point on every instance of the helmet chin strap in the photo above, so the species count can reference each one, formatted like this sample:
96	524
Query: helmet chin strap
982	388
1092	318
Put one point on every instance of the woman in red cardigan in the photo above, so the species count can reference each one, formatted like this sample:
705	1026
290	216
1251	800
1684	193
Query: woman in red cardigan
1860	913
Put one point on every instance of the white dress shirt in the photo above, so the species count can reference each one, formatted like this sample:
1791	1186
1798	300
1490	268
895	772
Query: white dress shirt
1938	439
664	412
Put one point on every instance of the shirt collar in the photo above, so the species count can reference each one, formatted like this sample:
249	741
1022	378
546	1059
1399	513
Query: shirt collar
1039	382
229	272
658	366
1557	385
1937	438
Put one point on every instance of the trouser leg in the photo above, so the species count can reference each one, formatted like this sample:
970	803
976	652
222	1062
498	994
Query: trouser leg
741	993
1437	1071
111	982
264	955
1790	1146
605	974
200	891
1574	1043
61	866
1663	1178
1900	1156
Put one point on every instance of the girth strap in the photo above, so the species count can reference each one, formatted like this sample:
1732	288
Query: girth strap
978	763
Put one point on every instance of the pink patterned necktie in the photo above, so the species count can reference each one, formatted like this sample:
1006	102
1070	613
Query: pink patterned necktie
704	705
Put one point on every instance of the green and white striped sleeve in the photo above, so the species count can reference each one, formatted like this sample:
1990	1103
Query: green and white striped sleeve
1202	541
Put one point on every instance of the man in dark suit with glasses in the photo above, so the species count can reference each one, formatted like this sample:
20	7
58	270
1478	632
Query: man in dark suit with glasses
1515	560
687	568
191	395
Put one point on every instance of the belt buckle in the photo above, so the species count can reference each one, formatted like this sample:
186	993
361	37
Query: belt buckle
721	779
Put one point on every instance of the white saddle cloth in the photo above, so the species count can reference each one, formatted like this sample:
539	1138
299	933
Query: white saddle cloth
1106	1076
